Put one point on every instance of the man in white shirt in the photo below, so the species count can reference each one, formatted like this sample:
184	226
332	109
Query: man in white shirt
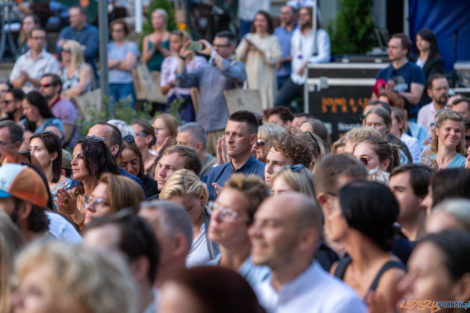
438	91
306	47
30	67
284	237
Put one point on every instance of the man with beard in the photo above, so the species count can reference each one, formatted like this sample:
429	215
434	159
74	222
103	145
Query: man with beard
12	105
438	91
51	87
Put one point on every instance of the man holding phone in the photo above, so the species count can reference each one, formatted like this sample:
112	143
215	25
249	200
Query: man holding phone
220	74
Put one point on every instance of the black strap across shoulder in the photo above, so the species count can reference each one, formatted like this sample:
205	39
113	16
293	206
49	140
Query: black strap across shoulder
386	267
342	266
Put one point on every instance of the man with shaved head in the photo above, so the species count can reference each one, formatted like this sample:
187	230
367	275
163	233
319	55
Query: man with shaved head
284	237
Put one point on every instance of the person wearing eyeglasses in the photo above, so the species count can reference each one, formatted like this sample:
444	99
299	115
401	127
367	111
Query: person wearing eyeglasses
29	67
12	105
91	158
220	74
145	139
232	214
113	193
76	75
63	109
122	58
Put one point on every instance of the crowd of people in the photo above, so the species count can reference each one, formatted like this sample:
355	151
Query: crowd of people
214	211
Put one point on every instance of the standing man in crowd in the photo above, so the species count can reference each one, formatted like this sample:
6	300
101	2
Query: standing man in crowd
304	50
284	34
63	109
240	137
284	237
438	91
220	74
402	76
281	116
193	135
82	32
30	67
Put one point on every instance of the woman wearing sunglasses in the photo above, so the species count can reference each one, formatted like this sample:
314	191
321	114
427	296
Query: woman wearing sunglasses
76	75
296	178
231	215
113	193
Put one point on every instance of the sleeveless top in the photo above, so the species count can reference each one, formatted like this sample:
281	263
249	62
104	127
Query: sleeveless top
70	82
156	61
346	260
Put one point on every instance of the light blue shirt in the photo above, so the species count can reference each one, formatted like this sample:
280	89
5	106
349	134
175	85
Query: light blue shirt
456	162
254	274
313	291
284	38
60	228
116	52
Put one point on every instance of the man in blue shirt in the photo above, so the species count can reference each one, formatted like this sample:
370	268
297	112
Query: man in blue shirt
402	77
79	30
284	35
240	136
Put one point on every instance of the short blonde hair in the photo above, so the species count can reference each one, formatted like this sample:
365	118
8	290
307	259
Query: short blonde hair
80	278
11	242
298	180
356	135
185	182
76	53
123	192
443	116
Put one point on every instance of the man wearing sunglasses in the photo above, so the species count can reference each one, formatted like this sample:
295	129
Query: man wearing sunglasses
29	67
63	109
12	105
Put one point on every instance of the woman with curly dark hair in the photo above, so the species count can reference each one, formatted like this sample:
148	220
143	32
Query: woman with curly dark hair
91	158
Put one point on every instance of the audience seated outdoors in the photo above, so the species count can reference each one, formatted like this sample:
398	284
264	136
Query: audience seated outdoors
207	208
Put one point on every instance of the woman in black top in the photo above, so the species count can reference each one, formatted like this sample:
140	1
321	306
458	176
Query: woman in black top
363	223
429	58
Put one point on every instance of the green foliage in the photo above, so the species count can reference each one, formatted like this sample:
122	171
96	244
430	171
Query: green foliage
157	4
122	111
353	30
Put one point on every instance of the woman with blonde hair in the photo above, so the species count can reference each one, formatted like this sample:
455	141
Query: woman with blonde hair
447	145
54	276
113	193
165	127
11	242
76	75
155	45
28	23
185	188
293	178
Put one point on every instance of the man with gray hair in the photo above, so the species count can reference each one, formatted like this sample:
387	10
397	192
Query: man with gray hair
193	135
174	232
